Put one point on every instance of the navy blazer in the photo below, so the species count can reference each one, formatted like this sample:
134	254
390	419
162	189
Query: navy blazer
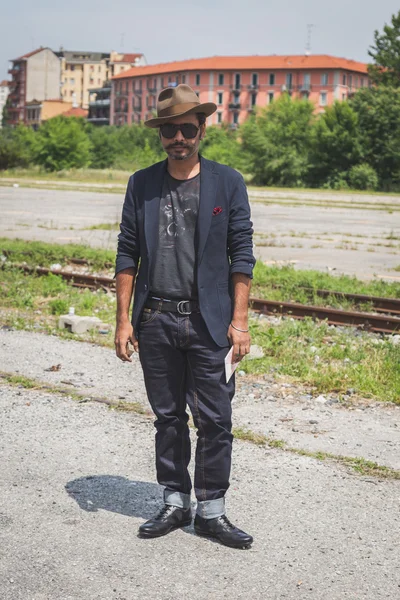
223	239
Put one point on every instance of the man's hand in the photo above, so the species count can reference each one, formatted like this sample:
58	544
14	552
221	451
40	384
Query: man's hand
123	335
240	341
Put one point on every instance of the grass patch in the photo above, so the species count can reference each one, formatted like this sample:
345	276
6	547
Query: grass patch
328	359
44	254
69	175
358	464
286	284
105	226
397	268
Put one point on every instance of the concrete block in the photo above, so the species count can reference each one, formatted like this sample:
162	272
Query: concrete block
77	324
255	352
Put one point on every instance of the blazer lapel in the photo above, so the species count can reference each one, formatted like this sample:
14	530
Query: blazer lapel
208	191
153	191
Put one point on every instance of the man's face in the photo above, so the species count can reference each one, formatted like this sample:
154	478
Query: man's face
179	147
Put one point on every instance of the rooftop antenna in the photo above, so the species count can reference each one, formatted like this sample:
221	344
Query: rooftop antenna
310	27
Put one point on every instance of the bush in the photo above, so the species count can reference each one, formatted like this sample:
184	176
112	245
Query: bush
363	177
62	143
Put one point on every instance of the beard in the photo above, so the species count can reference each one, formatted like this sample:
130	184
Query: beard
190	151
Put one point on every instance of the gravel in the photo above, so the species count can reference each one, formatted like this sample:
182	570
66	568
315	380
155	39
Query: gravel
370	430
78	479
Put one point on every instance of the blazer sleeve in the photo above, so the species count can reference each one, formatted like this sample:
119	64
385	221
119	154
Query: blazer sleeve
128	252
240	231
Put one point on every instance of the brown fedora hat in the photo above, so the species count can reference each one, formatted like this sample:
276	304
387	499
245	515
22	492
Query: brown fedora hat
177	101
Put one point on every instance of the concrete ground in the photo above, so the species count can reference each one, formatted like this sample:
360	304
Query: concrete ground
77	479
346	233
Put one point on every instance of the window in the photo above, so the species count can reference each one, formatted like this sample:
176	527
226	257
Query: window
236	98
237	81
289	81
323	98
221	79
272	79
162	82
362	82
219	117
356	82
306	81
155	83
99	81
71	92
344	80
197	79
344	97
270	97
72	67
324	79
91	67
253	99
177	79
236	118
254	80
220	97
183	78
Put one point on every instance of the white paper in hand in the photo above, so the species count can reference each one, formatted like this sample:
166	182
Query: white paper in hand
230	366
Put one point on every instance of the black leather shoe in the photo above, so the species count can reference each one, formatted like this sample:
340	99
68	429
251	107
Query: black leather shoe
168	519
222	529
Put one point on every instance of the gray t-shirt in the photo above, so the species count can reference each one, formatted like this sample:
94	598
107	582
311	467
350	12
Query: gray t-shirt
174	270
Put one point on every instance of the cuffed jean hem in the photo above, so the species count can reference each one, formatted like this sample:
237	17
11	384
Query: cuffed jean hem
211	509
179	499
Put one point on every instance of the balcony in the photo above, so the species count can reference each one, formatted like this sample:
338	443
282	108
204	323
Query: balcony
253	87
152	90
137	108
104	102
304	88
138	92
234	106
235	86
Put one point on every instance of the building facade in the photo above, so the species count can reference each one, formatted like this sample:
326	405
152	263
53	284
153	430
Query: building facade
4	89
83	73
237	85
35	75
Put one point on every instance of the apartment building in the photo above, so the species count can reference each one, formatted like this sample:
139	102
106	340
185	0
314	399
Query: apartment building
83	73
237	84
35	76
4	89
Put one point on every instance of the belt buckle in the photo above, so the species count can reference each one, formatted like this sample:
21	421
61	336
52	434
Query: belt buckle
181	309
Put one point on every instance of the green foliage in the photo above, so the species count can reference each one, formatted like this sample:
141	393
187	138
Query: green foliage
378	114
335	146
58	306
363	177
222	145
104	147
62	143
17	147
277	140
386	55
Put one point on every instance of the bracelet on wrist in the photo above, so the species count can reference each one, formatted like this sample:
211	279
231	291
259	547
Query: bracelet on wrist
241	330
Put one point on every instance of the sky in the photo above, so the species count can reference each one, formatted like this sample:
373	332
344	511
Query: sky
177	30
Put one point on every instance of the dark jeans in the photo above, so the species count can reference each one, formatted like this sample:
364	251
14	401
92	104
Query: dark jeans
183	365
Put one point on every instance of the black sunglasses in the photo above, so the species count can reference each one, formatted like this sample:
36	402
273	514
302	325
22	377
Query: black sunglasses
188	130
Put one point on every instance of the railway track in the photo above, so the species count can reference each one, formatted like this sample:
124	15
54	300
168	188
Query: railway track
388	321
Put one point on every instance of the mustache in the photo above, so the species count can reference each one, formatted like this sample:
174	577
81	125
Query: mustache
178	145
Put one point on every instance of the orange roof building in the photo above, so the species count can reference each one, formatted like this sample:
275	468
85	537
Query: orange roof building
237	84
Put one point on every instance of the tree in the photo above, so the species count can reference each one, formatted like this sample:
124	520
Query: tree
104	147
277	140
17	147
386	55
221	144
378	114
335	144
62	143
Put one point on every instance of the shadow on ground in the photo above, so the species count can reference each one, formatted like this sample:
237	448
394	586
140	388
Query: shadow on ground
116	494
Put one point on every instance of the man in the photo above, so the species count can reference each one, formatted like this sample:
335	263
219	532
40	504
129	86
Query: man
186	233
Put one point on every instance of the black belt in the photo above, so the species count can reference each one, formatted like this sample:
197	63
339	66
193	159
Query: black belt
183	307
